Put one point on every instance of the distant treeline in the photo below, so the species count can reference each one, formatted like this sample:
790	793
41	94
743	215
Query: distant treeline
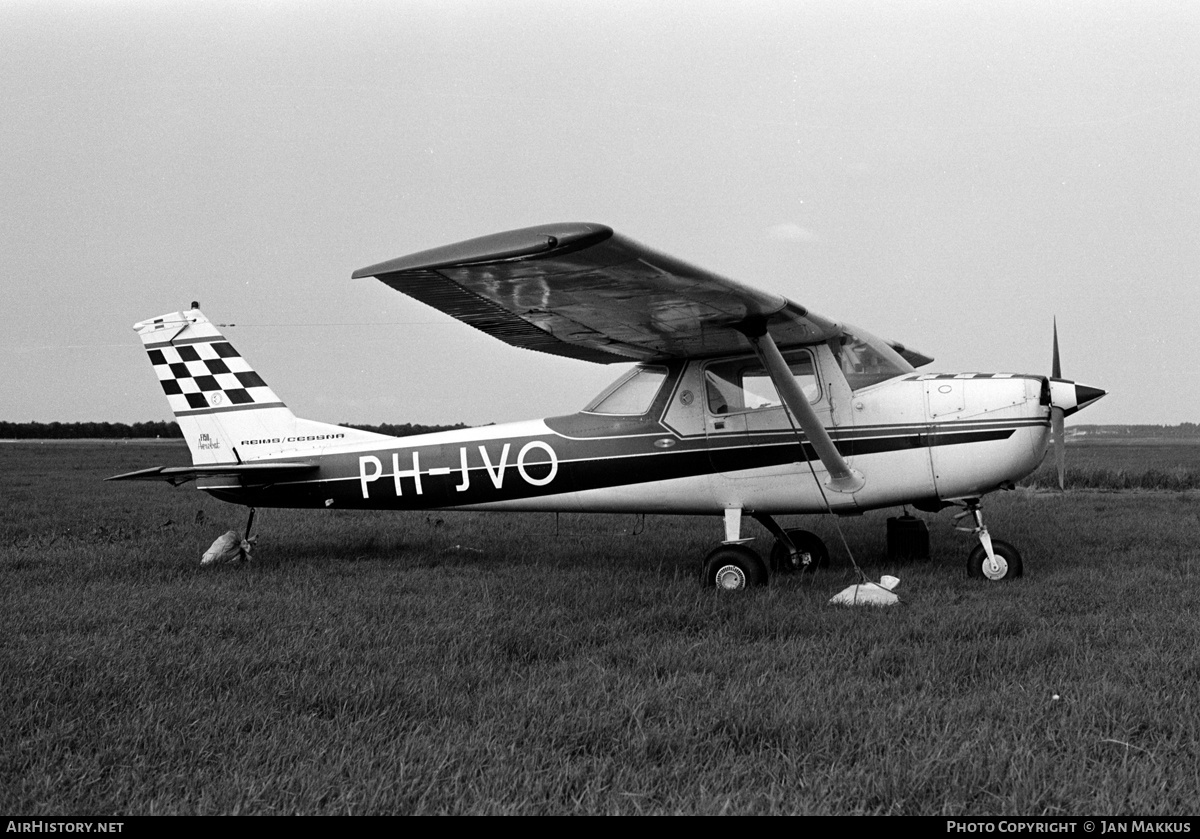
1187	429
152	430
77	430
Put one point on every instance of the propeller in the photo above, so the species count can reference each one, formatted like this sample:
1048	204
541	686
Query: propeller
1058	418
1066	397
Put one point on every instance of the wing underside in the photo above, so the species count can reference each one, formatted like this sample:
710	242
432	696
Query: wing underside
582	291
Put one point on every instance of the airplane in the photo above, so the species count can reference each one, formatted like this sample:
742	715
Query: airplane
741	403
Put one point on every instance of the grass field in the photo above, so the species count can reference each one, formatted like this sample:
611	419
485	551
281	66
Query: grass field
1158	463
474	663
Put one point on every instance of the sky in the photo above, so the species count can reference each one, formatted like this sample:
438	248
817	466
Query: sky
949	175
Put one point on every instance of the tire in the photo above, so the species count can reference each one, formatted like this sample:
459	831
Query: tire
734	567
1010	559
806	543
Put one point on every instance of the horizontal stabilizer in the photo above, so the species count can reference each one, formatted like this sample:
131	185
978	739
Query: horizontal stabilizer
176	475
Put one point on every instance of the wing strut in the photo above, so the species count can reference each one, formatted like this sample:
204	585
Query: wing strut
841	477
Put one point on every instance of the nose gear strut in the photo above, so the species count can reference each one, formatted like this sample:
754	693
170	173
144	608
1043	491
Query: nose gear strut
992	559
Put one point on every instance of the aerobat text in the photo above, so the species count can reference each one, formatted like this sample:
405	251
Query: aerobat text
496	466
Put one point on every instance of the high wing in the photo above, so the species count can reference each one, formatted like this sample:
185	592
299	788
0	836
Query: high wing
582	291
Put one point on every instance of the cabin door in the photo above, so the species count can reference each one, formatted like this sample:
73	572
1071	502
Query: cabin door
747	427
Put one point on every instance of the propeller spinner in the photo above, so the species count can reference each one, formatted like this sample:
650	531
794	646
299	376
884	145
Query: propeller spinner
1066	397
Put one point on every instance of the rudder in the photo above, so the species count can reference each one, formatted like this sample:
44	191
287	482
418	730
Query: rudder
218	399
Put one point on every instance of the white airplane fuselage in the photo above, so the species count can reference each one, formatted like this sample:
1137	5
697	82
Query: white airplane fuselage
917	438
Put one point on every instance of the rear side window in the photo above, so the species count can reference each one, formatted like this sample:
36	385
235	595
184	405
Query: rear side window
632	394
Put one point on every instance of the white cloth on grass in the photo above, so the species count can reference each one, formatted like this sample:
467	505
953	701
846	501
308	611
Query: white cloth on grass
869	594
229	547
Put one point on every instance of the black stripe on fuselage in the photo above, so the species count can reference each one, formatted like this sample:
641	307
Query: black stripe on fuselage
581	465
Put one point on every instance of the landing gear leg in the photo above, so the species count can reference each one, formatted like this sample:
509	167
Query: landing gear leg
732	565
794	549
992	559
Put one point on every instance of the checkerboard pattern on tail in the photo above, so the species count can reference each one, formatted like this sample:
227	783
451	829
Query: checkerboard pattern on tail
208	374
220	402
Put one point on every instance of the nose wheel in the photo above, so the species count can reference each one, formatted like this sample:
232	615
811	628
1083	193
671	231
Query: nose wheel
992	559
1007	564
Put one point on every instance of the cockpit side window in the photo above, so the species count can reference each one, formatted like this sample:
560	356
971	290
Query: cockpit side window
742	384
632	394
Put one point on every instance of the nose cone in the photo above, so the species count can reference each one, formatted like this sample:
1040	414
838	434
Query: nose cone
1072	396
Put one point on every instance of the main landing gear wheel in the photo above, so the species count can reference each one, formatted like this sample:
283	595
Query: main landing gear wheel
1007	557
733	567
811	553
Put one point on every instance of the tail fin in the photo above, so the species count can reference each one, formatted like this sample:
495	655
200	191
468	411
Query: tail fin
226	411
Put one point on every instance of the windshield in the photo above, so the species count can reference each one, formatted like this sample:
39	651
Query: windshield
630	395
866	360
